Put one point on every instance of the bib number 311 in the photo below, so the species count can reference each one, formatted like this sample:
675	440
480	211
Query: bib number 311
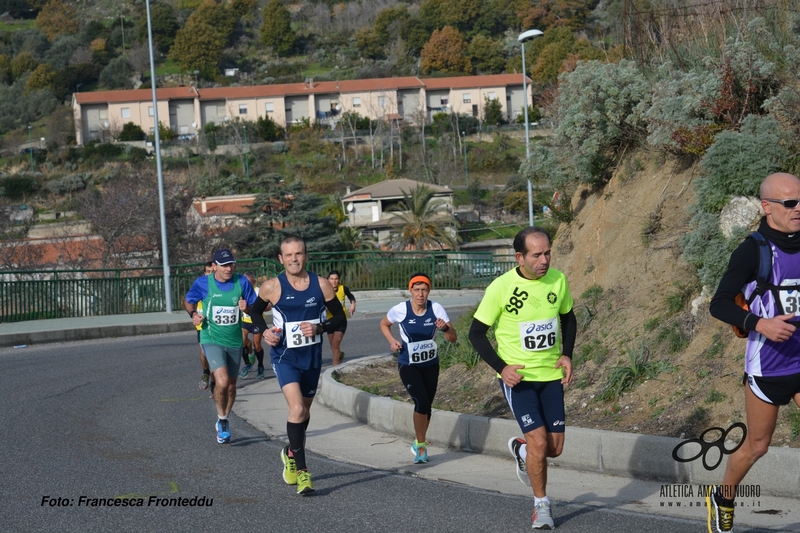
539	335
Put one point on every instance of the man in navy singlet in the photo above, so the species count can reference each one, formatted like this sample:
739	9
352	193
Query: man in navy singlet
772	355
299	300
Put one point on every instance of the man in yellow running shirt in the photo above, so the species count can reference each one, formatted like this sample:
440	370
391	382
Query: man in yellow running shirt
535	331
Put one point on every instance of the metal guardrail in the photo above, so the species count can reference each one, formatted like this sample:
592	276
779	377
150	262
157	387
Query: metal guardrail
42	294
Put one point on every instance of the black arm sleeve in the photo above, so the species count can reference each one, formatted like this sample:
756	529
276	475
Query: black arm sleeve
338	319
349	295
569	330
742	269
479	340
257	313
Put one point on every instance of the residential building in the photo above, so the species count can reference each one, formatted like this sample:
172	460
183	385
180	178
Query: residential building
371	209
101	115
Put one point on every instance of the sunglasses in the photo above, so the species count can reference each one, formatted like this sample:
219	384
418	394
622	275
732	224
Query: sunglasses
788	204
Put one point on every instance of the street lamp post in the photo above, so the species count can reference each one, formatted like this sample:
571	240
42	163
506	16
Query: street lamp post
246	158
466	166
161	203
523	38
30	146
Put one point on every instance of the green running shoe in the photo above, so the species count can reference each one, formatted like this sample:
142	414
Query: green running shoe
304	485
289	467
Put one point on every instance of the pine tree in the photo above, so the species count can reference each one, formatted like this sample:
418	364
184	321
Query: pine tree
276	31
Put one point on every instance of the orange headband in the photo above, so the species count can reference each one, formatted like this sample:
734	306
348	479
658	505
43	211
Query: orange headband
420	279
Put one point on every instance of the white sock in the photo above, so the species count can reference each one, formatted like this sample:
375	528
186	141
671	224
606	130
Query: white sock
523	451
537	501
222	417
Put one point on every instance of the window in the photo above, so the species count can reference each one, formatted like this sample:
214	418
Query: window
150	111
467	98
382	101
269	107
104	114
356	102
221	111
242	109
492	96
126	112
445	101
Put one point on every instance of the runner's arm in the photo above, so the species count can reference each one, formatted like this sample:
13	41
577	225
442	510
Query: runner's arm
742	269
337	320
479	340
256	312
569	330
349	295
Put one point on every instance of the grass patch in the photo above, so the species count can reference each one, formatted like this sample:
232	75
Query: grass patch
462	352
794	423
592	350
651	227
168	67
17	25
675	339
638	369
716	348
714	396
651	324
592	295
677	301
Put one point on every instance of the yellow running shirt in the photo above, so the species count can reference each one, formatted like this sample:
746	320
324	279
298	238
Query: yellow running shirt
528	326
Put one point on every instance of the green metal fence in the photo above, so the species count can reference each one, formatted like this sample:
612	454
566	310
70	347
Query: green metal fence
41	294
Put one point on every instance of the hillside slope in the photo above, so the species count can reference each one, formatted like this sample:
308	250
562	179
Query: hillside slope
633	294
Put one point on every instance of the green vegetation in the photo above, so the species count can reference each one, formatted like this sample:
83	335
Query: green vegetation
638	369
462	352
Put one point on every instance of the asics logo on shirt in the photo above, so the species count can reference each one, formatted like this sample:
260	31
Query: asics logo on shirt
558	423
216	296
295	328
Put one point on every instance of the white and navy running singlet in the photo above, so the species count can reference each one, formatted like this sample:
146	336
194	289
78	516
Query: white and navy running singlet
417	333
292	308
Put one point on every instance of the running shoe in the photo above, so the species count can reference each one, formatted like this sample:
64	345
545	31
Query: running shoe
304	485
542	519
260	374
289	467
204	381
223	432
245	371
514	446
420	451
720	517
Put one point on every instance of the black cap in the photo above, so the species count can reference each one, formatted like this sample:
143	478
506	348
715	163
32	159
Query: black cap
223	257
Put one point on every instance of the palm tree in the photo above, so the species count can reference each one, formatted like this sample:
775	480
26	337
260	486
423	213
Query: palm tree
353	240
422	227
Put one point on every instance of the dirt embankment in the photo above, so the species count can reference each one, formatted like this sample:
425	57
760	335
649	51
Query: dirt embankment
633	294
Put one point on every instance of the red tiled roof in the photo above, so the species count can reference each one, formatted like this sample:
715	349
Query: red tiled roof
135	95
220	206
469	82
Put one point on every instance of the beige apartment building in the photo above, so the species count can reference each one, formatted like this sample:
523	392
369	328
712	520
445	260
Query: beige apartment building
101	115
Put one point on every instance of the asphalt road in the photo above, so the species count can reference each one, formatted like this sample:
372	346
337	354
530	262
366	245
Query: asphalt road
123	418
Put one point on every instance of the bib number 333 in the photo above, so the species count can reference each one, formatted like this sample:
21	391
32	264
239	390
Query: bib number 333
539	335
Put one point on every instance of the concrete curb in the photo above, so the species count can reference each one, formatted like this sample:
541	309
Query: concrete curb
622	454
88	333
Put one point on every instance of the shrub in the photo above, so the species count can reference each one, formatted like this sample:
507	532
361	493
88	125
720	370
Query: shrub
17	187
595	114
639	369
131	132
737	162
707	249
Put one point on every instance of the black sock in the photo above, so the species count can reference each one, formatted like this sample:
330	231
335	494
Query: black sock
297	443
722	501
260	357
206	372
245	358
